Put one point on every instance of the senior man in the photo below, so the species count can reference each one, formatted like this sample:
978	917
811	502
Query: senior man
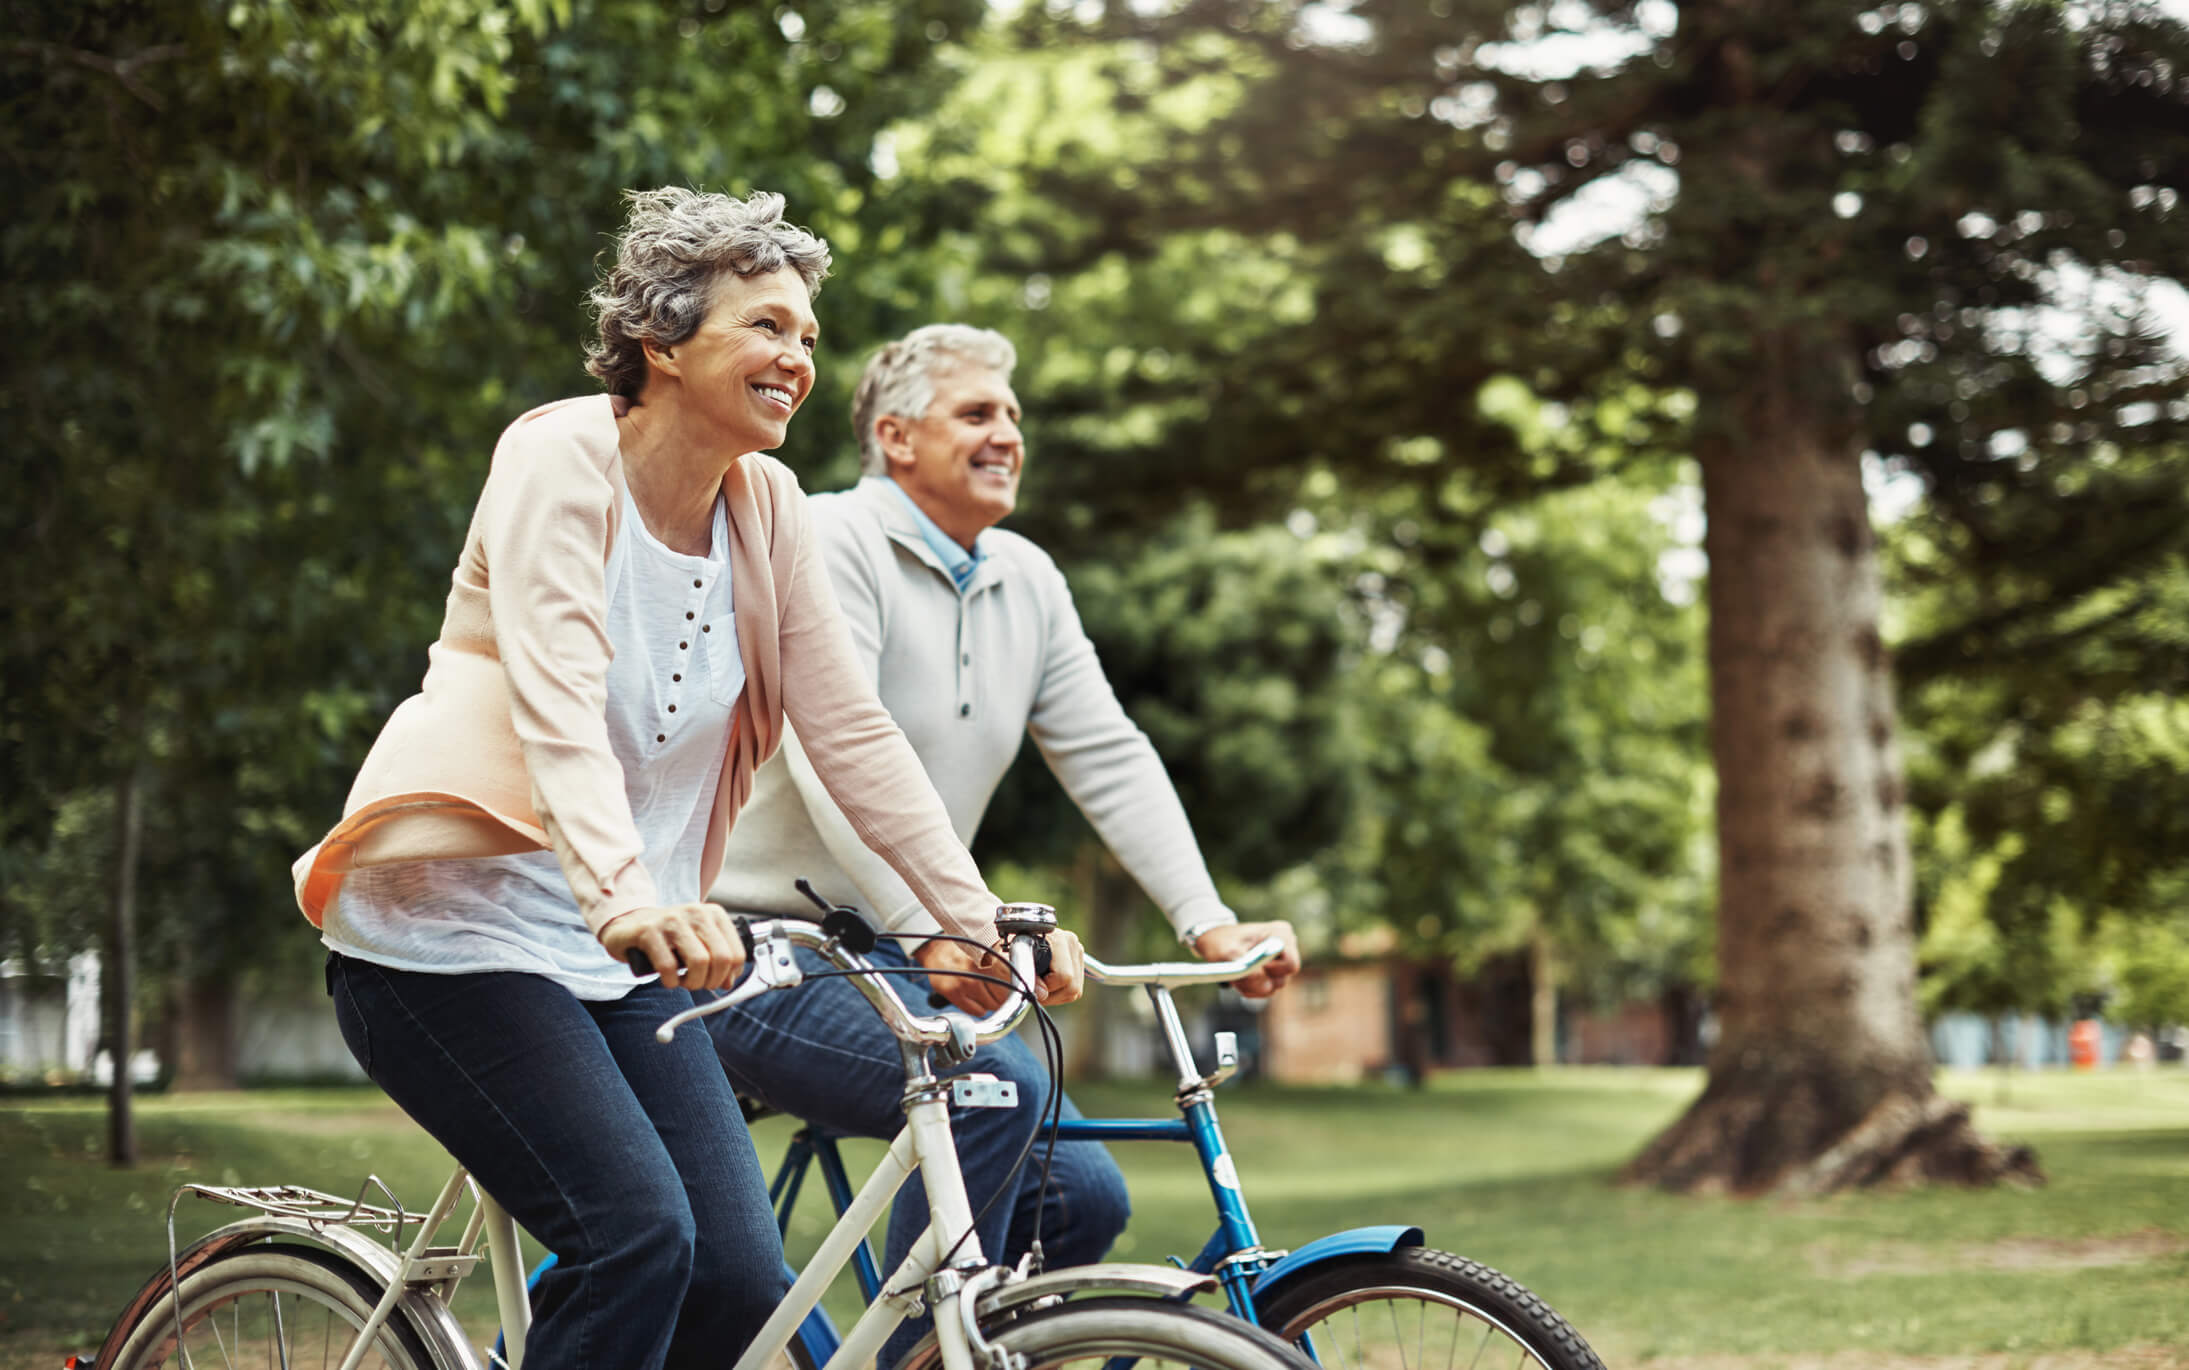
970	637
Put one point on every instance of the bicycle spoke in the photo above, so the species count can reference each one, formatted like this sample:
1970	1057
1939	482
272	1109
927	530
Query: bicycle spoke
1487	1332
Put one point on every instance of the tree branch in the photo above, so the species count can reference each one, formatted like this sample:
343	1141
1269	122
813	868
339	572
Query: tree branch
122	69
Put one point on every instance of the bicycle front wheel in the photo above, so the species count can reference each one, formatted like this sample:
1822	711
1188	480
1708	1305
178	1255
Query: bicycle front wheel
268	1308
1417	1309
1150	1332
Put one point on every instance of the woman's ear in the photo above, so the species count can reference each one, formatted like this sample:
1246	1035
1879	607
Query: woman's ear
662	356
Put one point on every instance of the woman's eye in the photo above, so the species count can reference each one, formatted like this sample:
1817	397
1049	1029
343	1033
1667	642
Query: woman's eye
811	345
768	324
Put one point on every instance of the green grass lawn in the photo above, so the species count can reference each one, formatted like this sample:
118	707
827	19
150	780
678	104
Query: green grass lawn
1511	1168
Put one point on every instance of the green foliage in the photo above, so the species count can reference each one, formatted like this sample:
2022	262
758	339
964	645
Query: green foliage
1982	954
2147	972
2049	750
278	274
1539	727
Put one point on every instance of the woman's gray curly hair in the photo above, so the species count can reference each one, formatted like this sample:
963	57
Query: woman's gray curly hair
675	246
900	379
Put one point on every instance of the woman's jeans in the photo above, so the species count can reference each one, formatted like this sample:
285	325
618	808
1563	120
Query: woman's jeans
626	1158
820	1052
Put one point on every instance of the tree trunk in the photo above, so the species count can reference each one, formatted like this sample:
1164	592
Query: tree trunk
1542	997
1821	1075
203	1034
121	1121
1109	897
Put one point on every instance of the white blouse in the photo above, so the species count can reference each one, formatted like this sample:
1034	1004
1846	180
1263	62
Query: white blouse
674	677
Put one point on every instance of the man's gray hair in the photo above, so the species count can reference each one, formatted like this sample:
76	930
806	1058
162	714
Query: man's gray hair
676	246
900	379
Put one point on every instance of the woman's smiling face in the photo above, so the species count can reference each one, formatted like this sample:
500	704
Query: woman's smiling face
750	364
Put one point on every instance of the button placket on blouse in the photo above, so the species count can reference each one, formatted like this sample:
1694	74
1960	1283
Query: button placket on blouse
696	600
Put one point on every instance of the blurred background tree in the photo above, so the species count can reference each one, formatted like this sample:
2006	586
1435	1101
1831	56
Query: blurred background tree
1847	229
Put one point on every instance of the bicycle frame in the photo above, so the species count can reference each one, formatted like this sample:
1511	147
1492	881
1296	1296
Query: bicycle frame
1233	1255
952	1272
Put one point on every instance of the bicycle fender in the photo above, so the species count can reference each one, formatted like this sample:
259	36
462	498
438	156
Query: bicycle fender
444	1338
1358	1241
1108	1277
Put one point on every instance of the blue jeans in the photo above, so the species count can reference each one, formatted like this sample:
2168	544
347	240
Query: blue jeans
820	1052
627	1158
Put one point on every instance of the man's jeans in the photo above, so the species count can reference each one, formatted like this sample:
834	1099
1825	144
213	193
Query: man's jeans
820	1052
627	1158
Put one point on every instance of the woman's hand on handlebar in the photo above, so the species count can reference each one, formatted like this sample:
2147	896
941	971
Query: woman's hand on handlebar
700	936
1232	941
979	997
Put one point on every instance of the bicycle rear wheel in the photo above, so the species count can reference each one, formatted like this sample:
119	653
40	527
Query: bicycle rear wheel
1416	1309
268	1308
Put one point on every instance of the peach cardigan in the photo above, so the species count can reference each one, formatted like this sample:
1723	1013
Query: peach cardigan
505	746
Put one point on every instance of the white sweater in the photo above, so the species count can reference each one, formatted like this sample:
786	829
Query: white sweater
965	676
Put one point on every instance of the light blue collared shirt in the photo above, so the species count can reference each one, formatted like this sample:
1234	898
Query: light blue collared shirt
960	563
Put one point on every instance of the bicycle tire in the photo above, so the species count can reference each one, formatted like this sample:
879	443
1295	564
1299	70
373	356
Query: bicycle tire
1372	1312
268	1308
1150	1332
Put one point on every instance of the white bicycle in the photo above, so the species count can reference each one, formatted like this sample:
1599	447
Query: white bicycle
312	1279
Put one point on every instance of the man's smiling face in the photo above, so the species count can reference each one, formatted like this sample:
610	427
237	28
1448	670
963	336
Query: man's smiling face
960	461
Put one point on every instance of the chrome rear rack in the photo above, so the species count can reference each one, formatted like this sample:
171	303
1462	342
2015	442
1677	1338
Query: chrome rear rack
313	1206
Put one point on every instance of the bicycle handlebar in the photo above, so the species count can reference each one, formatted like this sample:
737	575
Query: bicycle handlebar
773	967
1174	974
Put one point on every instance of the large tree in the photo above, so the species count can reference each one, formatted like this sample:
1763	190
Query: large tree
1852	225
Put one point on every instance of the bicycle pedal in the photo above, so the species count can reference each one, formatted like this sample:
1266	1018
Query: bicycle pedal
983	1091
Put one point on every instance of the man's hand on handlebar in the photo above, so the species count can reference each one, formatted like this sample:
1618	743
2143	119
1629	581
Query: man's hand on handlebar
701	936
1233	940
978	997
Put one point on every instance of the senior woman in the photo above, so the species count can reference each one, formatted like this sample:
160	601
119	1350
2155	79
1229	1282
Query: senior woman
637	609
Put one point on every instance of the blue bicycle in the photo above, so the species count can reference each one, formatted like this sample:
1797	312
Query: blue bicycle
1371	1298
